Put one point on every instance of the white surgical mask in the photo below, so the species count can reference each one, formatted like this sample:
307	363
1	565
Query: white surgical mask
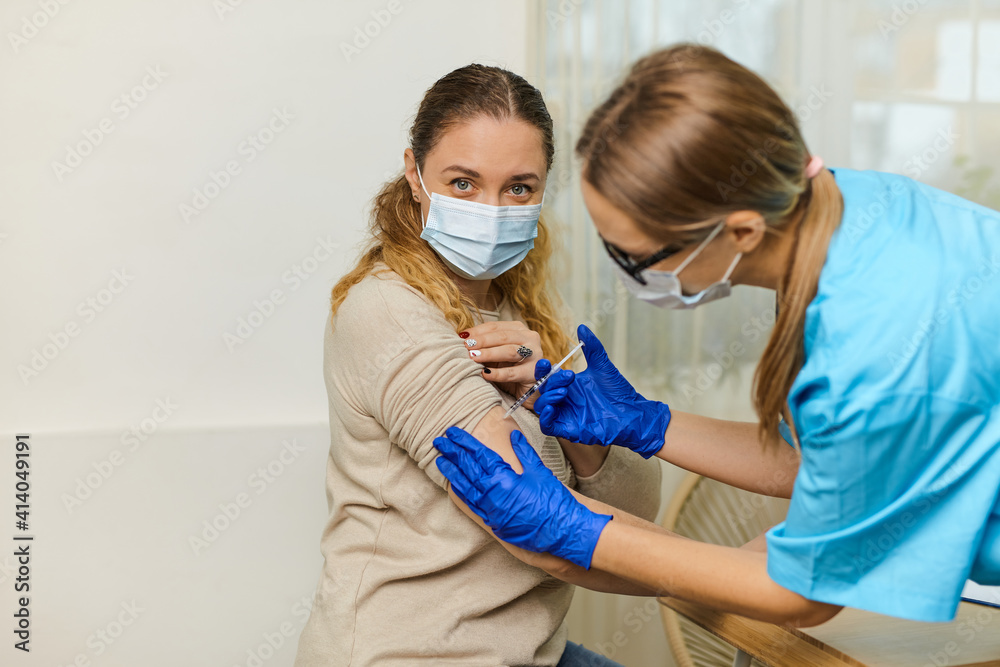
663	288
479	241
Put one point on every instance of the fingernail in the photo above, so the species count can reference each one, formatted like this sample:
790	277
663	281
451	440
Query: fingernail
471	342
464	334
487	371
475	353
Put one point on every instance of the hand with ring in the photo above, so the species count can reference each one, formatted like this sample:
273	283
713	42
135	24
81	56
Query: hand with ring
503	348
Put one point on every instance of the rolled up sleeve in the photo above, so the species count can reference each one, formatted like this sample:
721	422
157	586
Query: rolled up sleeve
426	381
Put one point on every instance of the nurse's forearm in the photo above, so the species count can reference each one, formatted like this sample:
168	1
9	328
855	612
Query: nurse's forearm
758	543
595	578
724	578
621	516
730	452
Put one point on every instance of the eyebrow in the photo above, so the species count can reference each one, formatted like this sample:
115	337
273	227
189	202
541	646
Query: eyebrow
471	173
463	170
527	176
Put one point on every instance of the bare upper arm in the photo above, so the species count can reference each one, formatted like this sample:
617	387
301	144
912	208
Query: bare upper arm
494	432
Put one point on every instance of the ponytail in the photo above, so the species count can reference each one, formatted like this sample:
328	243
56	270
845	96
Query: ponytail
785	352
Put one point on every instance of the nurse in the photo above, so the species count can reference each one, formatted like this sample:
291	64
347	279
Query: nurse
883	369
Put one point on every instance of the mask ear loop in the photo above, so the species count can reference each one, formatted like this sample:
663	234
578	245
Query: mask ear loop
732	266
423	223
697	251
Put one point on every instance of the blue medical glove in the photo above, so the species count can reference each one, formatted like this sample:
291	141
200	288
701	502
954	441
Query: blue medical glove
533	510
599	406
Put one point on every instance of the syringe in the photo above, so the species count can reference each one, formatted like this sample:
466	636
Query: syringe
519	402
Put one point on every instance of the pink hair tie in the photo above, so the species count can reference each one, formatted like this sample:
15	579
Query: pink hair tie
814	166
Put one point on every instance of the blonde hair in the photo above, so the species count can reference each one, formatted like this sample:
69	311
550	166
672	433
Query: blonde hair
396	224
691	136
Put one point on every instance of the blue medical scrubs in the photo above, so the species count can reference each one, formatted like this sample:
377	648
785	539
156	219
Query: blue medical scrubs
897	407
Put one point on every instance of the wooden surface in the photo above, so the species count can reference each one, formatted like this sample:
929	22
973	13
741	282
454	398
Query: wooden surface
860	638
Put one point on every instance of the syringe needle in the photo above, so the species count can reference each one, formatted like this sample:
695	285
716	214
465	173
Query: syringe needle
519	402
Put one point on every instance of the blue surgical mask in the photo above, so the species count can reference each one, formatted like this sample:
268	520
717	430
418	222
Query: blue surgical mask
663	288
479	241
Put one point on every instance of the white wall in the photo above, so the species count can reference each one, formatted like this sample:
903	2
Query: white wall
160	337
191	282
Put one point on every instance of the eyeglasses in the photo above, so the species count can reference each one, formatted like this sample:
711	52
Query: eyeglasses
631	266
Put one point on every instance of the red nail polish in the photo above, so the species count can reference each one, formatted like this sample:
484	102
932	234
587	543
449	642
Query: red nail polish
464	334
487	371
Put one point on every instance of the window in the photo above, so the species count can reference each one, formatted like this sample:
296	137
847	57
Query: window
907	86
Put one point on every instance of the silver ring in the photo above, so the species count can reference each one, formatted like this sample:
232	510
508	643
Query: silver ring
524	351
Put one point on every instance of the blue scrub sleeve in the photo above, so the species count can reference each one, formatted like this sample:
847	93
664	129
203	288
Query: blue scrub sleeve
786	432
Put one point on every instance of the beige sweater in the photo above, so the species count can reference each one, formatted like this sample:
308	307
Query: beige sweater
408	578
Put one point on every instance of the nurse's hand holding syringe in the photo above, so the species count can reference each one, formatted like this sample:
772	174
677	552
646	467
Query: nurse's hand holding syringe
542	380
598	406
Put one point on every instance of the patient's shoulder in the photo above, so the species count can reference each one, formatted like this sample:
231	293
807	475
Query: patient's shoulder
383	305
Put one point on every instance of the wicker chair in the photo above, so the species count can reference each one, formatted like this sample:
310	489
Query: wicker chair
711	511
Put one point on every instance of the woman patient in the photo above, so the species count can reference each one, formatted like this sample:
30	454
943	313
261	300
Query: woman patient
440	324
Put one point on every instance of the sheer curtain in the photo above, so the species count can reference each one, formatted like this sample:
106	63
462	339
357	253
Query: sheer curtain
907	86
685	357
